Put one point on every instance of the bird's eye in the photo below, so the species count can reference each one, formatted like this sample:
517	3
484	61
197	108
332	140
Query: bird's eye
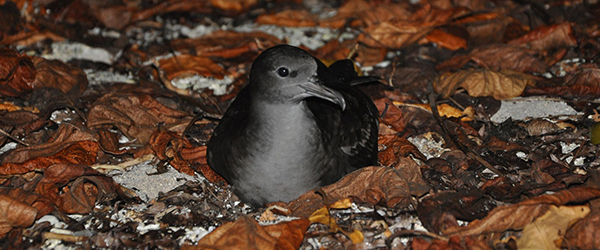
283	71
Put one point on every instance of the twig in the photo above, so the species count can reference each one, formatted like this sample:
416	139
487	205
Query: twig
438	118
14	138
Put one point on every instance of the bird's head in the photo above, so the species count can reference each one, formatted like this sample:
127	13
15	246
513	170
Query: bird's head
286	74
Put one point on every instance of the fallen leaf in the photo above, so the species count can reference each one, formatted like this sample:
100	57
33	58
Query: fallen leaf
547	231
81	152
226	44
289	18
65	136
360	13
59	75
394	35
246	234
498	57
517	216
17	73
233	5
484	28
584	233
14	213
585	74
446	40
545	38
137	116
182	66
481	82
322	216
371	185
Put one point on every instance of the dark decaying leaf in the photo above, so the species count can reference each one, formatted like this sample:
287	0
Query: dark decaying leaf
137	116
65	136
517	216
227	44
545	38
17	73
58	75
498	57
15	213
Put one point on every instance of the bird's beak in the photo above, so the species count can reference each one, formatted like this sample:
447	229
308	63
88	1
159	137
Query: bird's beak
314	89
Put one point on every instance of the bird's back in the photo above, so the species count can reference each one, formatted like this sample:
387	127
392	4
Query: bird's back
352	133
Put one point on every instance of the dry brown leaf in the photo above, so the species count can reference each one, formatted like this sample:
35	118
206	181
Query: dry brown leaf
66	135
370	184
446	40
584	234
182	66
395	148
545	38
391	114
59	75
570	91
42	204
137	116
76	188
17	73
81	152
15	213
498	57
585	74
169	146
289	18
394	35
482	82
517	216
226	44
548	231
233	5
246	234
360	13
484	28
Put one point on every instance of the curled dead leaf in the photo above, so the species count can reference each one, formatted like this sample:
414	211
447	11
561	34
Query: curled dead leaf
394	35
15	213
135	115
482	82
17	73
371	185
547	231
517	216
246	233
548	37
59	75
81	152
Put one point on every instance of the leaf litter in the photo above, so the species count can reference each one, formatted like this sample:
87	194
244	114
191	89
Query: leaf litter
463	173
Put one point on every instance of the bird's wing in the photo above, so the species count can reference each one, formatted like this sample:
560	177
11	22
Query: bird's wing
352	133
223	151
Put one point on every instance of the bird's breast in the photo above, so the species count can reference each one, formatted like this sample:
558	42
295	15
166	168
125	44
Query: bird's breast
286	154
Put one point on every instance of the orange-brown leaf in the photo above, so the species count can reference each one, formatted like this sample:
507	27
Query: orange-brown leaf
17	73
545	38
500	85
517	216
289	18
59	75
246	233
